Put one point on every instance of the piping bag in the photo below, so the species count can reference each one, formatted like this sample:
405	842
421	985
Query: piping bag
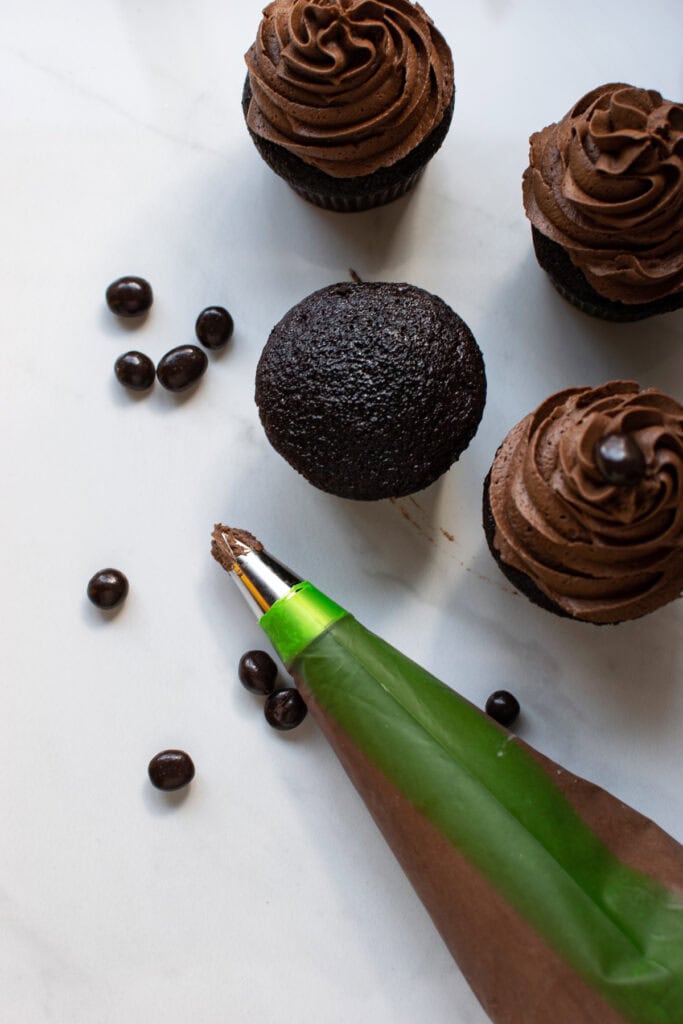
559	903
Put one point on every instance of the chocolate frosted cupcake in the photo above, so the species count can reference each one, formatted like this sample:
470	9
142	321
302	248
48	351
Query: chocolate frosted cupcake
583	506
348	100
604	194
371	390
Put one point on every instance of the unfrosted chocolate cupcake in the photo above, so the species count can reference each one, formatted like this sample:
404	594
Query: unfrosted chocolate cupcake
371	390
604	194
583	506
348	100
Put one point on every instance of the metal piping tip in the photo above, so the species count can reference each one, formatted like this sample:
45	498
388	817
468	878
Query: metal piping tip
228	544
261	578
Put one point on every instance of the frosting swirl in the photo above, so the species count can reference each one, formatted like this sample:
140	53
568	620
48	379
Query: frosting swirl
606	183
349	86
602	552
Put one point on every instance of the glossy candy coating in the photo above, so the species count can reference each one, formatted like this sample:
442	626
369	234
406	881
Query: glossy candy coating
285	709
503	707
620	460
257	672
108	588
214	327
129	296
182	367
170	770
135	371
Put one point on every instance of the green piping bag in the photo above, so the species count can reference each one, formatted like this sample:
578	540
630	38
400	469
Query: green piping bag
559	902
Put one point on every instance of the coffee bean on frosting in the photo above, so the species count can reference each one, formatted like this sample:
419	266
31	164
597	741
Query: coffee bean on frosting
129	296
285	709
257	672
619	460
182	367
214	327
107	588
135	370
502	707
170	770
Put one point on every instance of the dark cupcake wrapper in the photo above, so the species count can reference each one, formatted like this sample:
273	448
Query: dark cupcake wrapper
520	581
362	201
585	307
349	195
571	284
619	314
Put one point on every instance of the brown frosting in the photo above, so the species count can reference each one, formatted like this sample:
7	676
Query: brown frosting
606	183
349	86
602	552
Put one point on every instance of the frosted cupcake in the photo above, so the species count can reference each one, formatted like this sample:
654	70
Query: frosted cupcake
604	194
348	100
583	506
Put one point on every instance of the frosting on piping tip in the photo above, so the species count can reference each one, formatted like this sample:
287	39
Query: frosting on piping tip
606	183
603	552
349	86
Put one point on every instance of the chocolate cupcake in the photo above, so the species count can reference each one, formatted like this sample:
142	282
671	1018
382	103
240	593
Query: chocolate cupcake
348	100
604	194
371	390
583	506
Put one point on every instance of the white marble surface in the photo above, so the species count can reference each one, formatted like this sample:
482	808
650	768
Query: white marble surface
264	893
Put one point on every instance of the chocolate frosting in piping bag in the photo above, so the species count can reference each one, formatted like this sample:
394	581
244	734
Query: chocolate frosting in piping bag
600	551
606	184
349	86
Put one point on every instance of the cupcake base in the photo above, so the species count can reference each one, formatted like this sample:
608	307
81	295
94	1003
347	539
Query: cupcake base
350	195
518	579
573	286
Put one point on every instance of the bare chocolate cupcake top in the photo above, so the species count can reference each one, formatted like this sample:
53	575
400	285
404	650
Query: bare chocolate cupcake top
349	86
606	184
371	390
587	498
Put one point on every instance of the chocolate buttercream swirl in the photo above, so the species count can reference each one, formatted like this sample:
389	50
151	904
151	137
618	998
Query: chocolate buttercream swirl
602	552
349	86
606	183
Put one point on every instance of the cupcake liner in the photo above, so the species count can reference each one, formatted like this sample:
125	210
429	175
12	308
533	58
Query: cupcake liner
362	201
619	314
349	195
519	580
523	583
571	284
